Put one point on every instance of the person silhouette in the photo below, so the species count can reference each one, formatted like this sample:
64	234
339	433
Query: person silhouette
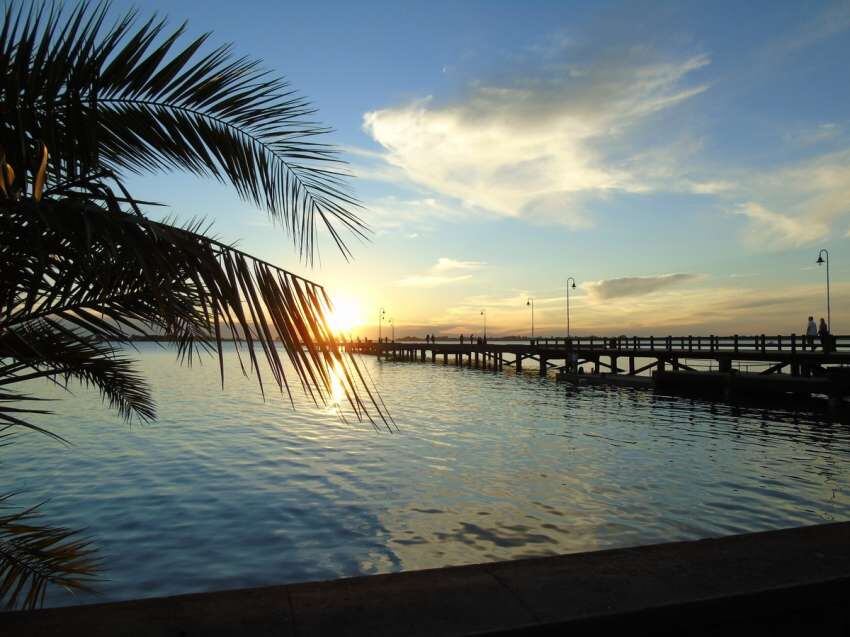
811	332
823	332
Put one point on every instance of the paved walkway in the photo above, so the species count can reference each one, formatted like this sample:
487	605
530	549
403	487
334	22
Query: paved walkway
795	580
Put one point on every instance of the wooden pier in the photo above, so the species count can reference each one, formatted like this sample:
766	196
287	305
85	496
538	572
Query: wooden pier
781	363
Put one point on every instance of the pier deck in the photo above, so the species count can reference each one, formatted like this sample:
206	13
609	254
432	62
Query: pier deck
784	363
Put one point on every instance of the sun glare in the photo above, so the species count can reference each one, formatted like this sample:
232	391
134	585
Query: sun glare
346	315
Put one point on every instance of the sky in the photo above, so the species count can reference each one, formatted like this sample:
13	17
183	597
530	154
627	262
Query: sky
683	162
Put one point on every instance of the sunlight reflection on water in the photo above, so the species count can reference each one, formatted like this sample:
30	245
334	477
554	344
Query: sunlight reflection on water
226	490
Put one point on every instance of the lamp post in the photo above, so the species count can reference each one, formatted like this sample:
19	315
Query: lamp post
381	314
821	261
570	280
392	325
531	303
484	314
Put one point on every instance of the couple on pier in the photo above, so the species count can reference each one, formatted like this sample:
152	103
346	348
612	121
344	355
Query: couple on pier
822	331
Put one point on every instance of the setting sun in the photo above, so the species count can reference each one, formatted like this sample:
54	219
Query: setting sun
346	316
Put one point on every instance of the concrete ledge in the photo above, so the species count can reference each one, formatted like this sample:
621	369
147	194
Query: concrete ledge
785	581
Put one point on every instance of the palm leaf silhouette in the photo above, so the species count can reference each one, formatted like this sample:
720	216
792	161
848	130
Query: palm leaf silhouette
84	270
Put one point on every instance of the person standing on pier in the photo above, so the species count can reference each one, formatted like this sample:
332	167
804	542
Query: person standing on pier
823	332
461	339
811	332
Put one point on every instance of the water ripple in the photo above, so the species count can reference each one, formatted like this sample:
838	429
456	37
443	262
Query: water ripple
227	490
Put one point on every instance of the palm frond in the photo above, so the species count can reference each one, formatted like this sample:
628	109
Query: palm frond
33	555
81	266
47	348
131	97
102	274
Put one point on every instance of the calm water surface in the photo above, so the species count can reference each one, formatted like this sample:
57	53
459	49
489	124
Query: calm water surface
226	490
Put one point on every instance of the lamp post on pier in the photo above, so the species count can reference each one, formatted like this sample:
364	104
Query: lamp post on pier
569	281
531	303
821	261
381	313
484	314
392	325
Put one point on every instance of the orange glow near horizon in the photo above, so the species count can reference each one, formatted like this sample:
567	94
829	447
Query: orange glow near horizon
346	316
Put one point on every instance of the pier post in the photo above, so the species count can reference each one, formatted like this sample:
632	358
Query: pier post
543	360
613	364
445	358
724	364
661	365
433	356
631	365
518	362
476	358
422	355
596	365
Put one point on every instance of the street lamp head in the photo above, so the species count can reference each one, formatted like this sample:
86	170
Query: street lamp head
528	302
574	285
820	260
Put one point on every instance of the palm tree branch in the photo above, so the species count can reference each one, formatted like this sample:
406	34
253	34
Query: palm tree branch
33	555
126	96
171	281
51	349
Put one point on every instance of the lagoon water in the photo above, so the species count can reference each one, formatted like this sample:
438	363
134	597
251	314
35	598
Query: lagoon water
227	490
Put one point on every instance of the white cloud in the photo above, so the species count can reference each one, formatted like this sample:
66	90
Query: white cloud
793	205
634	285
444	272
409	216
814	135
711	187
769	229
446	265
533	147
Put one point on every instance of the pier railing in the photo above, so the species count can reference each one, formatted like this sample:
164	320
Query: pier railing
735	343
758	343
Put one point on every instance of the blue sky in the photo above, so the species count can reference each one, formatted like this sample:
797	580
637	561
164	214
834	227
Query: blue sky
683	161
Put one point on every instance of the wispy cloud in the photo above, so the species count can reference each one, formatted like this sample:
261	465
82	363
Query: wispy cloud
634	285
769	229
444	272
793	205
833	19
409	215
809	136
533	147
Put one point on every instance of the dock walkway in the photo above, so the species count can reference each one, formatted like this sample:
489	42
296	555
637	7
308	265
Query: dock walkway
786	363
